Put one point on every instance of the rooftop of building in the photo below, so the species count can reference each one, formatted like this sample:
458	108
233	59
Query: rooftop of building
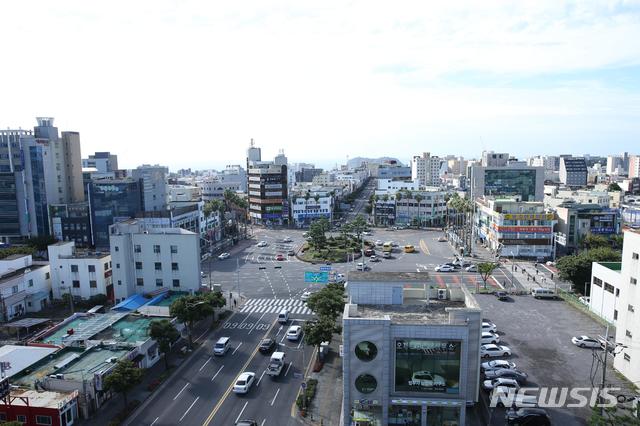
11	274
21	357
42	399
413	311
614	266
388	276
79	328
131	329
15	256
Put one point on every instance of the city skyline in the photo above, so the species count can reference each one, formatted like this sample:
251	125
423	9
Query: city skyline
327	83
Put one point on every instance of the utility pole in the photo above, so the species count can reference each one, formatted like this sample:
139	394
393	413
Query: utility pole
604	368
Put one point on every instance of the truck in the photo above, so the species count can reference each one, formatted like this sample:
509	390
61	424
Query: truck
276	364
387	247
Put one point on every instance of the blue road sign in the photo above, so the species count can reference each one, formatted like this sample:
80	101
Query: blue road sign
316	277
303	385
325	268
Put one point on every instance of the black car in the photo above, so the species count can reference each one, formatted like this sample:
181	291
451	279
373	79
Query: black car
507	373
266	345
291	253
247	423
528	417
501	295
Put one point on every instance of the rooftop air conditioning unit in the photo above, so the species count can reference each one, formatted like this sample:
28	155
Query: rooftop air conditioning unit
442	294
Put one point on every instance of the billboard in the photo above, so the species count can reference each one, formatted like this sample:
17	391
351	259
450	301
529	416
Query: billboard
427	366
316	277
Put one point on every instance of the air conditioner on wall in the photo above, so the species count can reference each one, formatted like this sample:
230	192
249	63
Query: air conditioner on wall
442	293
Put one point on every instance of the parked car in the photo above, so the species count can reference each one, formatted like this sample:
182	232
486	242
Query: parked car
367	233
426	379
489	337
291	253
287	240
493	351
442	239
502	295
340	278
294	332
506	373
500	381
528	416
244	382
374	259
266	346
224	256
379	242
472	268
280	257
445	268
501	394
497	364
489	326
586	342
262	244
409	248
361	266
305	296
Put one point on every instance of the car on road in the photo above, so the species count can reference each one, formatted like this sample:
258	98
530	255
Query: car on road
224	256
247	423
454	265
374	258
305	234
489	337
244	382
287	240
379	242
497	364
367	233
489	326
369	252
493	351
280	257
529	416
586	342
386	254
262	244
266	346
294	332
442	239
339	278
472	268
500	381
426	379
409	248
361	266
506	373
305	296
502	295
291	253
445	268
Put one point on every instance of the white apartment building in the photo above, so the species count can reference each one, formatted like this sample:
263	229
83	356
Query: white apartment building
146	259
213	188
82	273
24	286
391	186
615	297
154	186
634	166
184	193
305	209
426	169
581	196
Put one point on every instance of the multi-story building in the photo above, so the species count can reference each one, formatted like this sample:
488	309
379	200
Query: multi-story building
573	172
154	186
307	174
511	227
103	162
268	193
576	221
31	407
391	186
494	159
148	259
83	274
558	196
213	188
184	193
420	208
615	165
614	296
511	180
384	210
24	286
314	204
426	169
393	171
411	351
634	166
71	222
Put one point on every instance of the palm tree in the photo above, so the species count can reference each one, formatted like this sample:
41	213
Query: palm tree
419	199
398	198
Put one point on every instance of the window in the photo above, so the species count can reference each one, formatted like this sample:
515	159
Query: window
47	276
366	383
93	284
117	266
156	249
139	282
116	248
615	314
74	268
174	249
137	248
366	351
30	283
76	283
21	418
119	282
617	292
635	256
43	420
174	266
630	308
106	266
92	268
608	287
159	282
138	265
158	266
627	357
628	334
633	280
3	416
597	281
176	283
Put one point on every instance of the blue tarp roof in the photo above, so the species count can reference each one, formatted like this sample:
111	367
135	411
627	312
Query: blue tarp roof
137	300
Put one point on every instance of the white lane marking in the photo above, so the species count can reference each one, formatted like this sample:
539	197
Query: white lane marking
262	424
262	375
198	338
176	397
217	372
241	411
154	422
288	368
256	323
236	349
207	362
274	398
300	344
190	407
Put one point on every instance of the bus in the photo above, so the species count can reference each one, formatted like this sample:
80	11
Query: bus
387	247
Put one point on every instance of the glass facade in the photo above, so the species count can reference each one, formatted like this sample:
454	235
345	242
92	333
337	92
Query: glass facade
510	182
405	415
112	201
9	219
36	156
427	366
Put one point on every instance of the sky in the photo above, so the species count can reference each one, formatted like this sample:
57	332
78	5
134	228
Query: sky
190	83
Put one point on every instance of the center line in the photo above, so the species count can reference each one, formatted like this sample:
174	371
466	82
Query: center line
262	424
218	372
207	362
241	411
234	352
185	386
154	422
190	407
274	398
262	375
256	323
288	368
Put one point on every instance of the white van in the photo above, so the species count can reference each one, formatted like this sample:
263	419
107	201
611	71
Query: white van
283	316
543	293
222	346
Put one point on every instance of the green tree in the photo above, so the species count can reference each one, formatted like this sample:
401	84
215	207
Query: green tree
42	242
317	231
358	225
612	417
319	331
614	187
124	377
419	199
165	333
577	268
215	299
190	309
213	206
6	252
327	302
486	269
593	241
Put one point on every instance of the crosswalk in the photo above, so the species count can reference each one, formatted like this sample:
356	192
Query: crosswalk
295	307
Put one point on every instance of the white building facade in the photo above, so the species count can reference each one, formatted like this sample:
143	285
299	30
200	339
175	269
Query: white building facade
305	210
24	286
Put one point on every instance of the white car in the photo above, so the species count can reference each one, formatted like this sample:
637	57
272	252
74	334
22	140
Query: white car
472	268
379	242
504	399
305	296
287	240
586	342
262	244
361	267
374	258
489	337
444	268
340	278
244	382
498	364
224	256
500	382
493	351
294	332
367	233
489	326
426	379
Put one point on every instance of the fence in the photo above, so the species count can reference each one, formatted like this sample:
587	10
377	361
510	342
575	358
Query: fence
575	302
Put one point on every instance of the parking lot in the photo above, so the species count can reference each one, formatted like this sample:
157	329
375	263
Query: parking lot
539	334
